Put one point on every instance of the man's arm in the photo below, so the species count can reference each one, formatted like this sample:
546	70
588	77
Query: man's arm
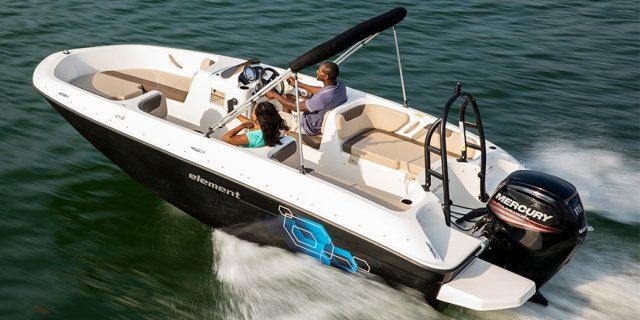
288	106
311	89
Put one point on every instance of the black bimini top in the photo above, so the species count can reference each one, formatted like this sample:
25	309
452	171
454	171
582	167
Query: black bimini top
348	38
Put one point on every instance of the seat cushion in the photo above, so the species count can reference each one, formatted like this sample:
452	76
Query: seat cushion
108	86
389	149
173	86
384	148
360	118
312	141
452	140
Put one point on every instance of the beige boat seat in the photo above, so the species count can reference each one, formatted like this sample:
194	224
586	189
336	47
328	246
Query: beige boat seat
173	86
369	133
385	148
312	141
369	116
108	86
452	140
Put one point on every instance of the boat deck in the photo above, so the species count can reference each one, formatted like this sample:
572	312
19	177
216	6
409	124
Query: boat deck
360	140
385	199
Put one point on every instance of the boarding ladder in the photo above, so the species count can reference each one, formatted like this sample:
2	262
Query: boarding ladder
464	145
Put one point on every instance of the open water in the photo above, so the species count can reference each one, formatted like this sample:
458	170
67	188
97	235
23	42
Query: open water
558	83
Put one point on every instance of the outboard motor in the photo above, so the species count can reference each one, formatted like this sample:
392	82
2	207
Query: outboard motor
538	223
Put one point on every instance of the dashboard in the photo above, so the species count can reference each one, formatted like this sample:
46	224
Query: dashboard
256	76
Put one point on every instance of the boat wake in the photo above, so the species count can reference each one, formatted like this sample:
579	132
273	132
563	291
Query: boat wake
607	181
271	283
591	286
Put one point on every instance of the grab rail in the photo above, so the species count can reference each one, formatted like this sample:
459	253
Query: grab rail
442	151
464	144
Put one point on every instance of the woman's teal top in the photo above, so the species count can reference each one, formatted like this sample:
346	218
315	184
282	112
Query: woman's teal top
255	139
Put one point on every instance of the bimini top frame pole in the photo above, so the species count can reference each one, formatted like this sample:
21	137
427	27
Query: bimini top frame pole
404	94
355	48
299	118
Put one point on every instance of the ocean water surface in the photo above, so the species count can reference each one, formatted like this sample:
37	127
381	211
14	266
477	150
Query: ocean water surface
558	84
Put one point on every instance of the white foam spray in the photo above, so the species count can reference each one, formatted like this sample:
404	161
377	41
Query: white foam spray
271	283
600	282
607	181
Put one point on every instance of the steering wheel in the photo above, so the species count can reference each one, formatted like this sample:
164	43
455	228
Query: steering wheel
267	75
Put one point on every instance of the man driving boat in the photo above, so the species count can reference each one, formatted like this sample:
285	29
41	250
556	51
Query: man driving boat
332	94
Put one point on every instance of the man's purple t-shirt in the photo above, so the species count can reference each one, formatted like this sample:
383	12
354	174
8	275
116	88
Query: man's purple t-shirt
320	103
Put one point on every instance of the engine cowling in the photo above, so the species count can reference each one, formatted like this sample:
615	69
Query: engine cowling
538	224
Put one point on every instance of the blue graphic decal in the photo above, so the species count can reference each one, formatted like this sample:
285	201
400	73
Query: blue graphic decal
310	237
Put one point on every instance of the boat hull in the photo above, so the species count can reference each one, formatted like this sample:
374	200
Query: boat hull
245	212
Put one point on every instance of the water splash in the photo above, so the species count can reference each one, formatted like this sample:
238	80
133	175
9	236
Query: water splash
270	283
589	287
607	181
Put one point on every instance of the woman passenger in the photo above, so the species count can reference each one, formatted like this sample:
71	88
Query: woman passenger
263	129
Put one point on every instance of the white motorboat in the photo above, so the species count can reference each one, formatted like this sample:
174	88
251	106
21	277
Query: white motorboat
386	189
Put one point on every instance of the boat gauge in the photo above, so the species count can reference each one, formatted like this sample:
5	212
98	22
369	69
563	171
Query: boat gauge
249	73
